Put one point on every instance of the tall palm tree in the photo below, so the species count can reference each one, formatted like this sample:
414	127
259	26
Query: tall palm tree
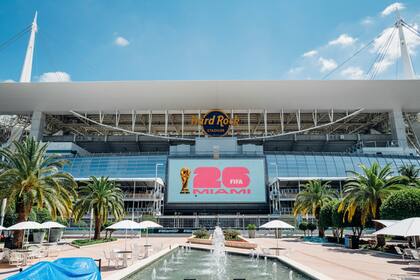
312	198
29	177
367	190
411	174
102	196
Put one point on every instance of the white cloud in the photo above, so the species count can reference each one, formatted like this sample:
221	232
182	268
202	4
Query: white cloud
367	21
296	70
121	41
343	40
393	52
311	53
327	64
391	8
353	73
9	81
54	77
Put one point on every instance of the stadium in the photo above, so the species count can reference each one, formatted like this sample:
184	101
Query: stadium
201	153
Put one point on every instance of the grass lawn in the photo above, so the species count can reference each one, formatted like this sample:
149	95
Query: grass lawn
85	242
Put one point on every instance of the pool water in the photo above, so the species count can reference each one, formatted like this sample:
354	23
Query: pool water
196	264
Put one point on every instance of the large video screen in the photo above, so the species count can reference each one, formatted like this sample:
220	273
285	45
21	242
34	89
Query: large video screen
216	181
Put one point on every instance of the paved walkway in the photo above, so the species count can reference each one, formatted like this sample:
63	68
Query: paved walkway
340	263
335	262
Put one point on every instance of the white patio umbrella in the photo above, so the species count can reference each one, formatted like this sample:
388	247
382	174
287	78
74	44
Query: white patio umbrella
277	224
50	224
149	224
26	226
386	223
407	228
125	224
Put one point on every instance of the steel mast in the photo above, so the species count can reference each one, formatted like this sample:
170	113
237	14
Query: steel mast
406	59
25	76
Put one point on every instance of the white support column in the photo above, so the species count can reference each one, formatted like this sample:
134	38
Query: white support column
315	117
182	123
150	122
249	122
331	115
298	119
37	125
397	123
166	122
265	122
117	118
101	117
282	120
232	127
198	126
133	120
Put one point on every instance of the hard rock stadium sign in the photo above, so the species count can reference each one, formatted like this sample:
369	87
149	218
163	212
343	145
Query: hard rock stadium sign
215	123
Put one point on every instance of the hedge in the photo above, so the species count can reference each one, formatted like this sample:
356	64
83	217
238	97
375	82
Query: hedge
401	205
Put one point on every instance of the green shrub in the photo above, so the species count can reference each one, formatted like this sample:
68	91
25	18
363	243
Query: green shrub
311	227
401	205
325	215
85	242
304	227
201	233
251	227
231	234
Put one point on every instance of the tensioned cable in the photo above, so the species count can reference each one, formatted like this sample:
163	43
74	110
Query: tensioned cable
380	52
15	37
352	56
383	54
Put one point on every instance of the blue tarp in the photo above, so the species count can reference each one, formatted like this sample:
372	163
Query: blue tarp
64	268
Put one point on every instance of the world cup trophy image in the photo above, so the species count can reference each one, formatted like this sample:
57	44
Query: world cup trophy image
185	176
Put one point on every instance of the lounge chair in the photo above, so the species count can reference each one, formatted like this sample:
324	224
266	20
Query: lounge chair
107	257
400	252
16	258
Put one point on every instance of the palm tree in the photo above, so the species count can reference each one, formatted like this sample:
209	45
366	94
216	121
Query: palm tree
312	198
367	190
411	174
102	196
28	178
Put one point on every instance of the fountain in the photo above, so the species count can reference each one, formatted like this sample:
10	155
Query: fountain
219	254
154	274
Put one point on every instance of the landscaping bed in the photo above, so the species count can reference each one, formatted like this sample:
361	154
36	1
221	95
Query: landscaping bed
232	239
87	242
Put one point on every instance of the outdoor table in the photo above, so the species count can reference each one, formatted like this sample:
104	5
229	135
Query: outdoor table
146	249
277	249
125	254
25	253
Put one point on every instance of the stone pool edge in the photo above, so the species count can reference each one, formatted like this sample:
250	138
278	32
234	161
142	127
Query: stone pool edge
307	271
125	272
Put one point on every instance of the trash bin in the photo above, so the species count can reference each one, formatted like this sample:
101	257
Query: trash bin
347	241
354	242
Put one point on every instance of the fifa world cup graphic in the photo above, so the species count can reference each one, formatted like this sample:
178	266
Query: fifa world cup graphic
185	176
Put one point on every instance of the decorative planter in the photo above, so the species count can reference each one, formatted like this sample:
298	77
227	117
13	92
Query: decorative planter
38	236
55	235
251	233
242	243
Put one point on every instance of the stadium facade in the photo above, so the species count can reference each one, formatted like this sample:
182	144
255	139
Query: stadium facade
272	137
194	152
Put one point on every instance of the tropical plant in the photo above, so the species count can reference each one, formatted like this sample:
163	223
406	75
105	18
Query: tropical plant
310	200
325	215
251	227
201	233
304	227
366	191
410	174
401	205
101	196
231	234
31	178
311	227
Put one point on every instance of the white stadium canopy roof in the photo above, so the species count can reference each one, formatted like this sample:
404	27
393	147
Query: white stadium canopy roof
124	96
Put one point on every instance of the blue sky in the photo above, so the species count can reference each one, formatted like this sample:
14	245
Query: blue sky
90	40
